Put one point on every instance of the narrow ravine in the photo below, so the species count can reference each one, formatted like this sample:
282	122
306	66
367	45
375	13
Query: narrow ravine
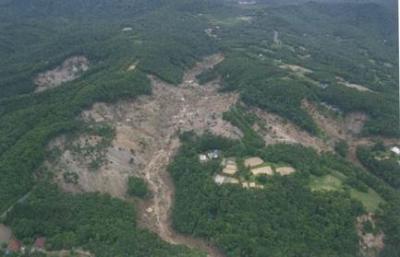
158	211
162	201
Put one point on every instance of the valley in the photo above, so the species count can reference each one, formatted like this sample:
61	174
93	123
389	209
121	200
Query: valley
146	138
199	128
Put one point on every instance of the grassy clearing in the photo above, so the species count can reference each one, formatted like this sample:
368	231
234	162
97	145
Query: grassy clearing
326	183
225	21
370	199
335	182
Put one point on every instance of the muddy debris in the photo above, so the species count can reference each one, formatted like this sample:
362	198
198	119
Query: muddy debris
279	130
71	69
146	139
371	242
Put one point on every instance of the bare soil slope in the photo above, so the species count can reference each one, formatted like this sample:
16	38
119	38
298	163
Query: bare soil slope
70	69
279	130
146	139
347	128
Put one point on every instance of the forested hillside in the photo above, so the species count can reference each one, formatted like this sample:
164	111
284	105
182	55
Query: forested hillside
290	216
338	44
97	223
59	58
30	120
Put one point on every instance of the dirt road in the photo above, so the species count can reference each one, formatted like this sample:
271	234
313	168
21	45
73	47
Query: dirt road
20	200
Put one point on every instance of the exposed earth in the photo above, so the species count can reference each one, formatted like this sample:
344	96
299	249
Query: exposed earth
279	130
146	138
347	128
371	243
71	69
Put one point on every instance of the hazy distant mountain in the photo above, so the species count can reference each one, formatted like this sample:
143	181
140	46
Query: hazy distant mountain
389	3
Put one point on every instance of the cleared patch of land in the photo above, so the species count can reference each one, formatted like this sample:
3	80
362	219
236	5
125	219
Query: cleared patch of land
298	70
280	130
326	183
71	69
335	182
347	128
358	87
370	199
371	238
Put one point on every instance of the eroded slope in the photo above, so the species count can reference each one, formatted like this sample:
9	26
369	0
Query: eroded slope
146	138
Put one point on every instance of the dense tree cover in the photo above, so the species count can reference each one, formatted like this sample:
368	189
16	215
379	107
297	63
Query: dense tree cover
342	148
381	109
137	187
165	38
29	121
390	223
387	169
334	36
97	223
337	42
259	85
238	117
93	28
285	219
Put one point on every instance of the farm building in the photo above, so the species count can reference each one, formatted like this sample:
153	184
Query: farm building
251	185
230	169
219	179
253	161
285	170
266	170
230	166
203	157
214	154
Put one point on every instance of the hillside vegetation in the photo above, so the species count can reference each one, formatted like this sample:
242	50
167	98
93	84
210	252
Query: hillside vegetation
299	214
276	56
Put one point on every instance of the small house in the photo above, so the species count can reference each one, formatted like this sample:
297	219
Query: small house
203	157
219	179
214	154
